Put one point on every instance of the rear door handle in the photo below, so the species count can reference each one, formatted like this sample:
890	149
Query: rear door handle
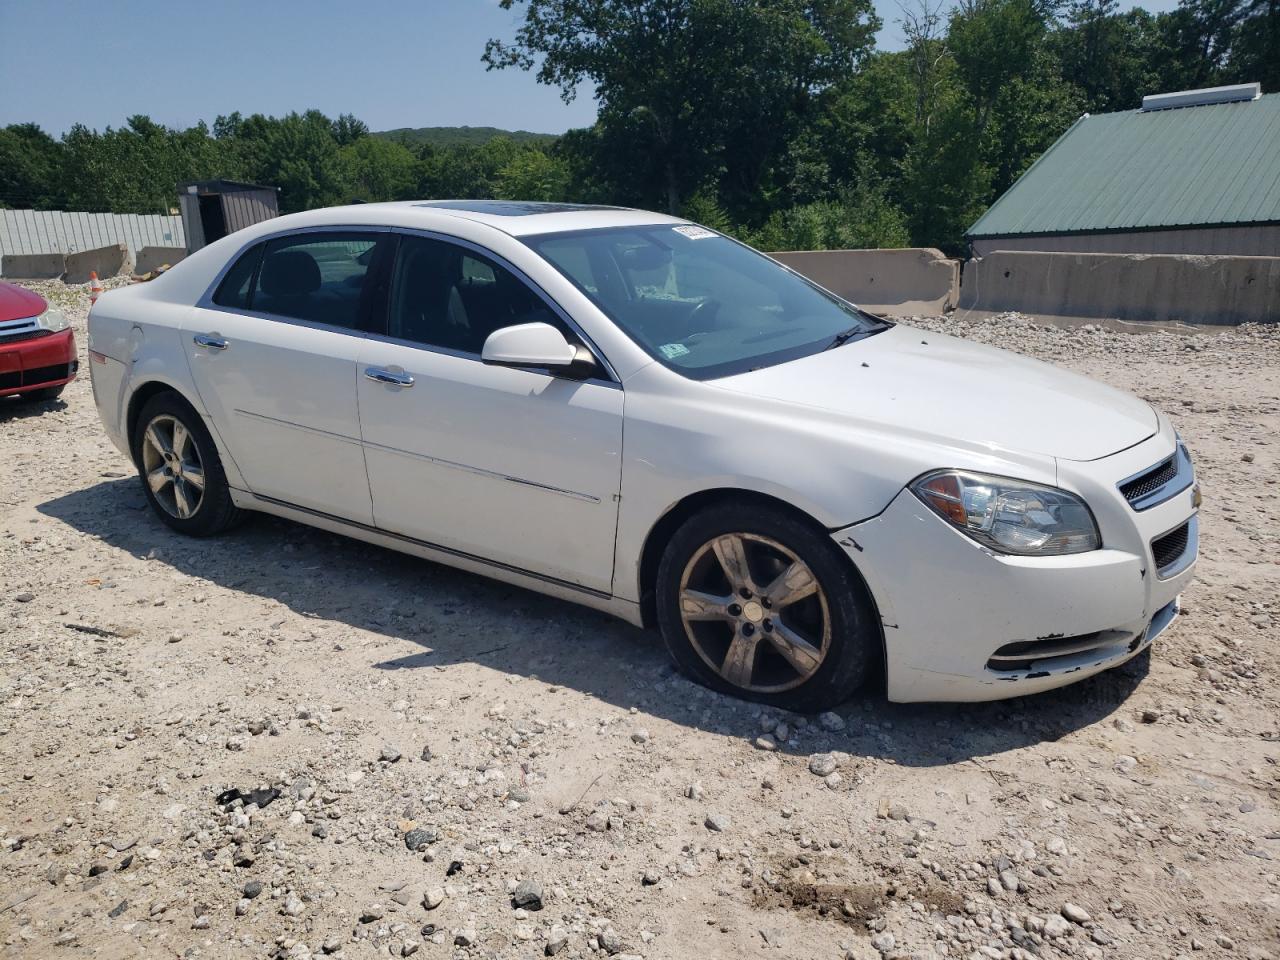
381	375
210	341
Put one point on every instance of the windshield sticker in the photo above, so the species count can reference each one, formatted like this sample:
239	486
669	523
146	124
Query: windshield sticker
694	232
673	350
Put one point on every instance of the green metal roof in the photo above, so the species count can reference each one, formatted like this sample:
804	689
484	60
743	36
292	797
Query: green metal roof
1211	165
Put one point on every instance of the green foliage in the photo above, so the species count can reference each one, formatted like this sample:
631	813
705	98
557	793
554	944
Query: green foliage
772	120
416	137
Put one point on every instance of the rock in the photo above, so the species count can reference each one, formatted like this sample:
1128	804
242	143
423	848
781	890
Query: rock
1151	716
831	722
640	736
433	897
418	838
650	878
1125	764
242	906
822	764
25	597
293	907
1056	846
371	913
598	821
1075	914
118	909
883	942
1055	927
389	754
464	937
528	894
694	791
716	822
766	743
252	889
557	940
426	753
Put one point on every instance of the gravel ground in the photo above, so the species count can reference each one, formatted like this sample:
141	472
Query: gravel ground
449	767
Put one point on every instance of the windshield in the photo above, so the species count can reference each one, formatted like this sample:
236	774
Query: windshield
702	304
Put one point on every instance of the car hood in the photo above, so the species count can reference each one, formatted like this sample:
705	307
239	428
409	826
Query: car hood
930	384
18	303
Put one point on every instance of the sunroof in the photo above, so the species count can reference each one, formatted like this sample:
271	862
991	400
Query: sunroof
513	208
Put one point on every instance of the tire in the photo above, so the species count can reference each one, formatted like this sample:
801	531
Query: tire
43	395
702	619
208	510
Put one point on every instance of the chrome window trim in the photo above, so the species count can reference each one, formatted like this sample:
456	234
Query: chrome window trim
1182	479
206	300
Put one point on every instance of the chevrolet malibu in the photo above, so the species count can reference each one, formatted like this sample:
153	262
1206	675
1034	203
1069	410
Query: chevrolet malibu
37	347
638	414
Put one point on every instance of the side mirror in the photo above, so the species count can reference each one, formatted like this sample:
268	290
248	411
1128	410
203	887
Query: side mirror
529	345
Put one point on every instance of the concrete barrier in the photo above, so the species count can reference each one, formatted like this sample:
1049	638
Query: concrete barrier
1139	287
149	258
908	280
32	266
105	261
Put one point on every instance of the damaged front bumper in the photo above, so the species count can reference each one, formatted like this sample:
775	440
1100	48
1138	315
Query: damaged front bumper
962	622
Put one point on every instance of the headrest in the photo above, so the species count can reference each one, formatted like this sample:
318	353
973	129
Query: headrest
290	273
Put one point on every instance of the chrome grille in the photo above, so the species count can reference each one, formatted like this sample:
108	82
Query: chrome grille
1157	484
1149	482
19	329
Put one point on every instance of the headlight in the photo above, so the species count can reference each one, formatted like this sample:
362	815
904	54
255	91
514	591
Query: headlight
1010	516
52	320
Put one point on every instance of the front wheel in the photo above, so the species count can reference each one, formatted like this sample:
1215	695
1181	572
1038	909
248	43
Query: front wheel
182	475
757	602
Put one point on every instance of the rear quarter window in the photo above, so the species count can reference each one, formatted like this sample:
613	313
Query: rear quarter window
236	287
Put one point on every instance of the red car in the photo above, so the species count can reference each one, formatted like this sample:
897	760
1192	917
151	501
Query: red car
37	347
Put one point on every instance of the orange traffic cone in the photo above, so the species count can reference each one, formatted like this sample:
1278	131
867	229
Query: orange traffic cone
95	287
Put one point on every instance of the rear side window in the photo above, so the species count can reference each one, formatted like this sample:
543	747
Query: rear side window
237	284
318	277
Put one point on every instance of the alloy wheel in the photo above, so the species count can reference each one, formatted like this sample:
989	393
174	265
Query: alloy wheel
755	612
172	466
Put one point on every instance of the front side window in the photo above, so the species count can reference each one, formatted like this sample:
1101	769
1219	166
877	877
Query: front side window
699	302
318	277
445	295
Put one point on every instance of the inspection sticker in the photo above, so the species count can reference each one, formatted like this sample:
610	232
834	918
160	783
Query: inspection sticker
694	232
673	350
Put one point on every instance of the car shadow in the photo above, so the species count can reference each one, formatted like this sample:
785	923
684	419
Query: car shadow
454	617
15	408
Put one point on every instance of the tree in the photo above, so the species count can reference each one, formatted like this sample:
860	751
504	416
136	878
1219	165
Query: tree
30	168
690	76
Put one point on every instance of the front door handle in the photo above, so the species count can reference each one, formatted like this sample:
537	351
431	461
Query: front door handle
209	340
381	375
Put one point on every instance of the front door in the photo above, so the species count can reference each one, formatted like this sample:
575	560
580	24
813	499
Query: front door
514	466
274	354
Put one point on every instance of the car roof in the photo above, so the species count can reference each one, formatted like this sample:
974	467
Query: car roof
518	218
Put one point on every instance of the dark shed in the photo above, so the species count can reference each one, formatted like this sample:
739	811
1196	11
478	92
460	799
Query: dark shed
211	209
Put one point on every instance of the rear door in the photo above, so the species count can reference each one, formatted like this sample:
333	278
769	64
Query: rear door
273	353
515	466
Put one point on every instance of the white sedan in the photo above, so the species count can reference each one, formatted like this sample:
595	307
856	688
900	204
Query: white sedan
638	414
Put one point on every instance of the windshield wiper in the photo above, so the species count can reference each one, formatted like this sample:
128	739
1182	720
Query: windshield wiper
858	332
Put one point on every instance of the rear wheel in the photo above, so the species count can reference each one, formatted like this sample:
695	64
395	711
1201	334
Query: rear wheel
182	475
755	601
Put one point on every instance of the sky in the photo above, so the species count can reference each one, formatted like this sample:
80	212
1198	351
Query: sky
392	63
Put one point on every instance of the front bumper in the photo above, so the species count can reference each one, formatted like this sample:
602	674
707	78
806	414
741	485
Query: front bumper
962	622
30	364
